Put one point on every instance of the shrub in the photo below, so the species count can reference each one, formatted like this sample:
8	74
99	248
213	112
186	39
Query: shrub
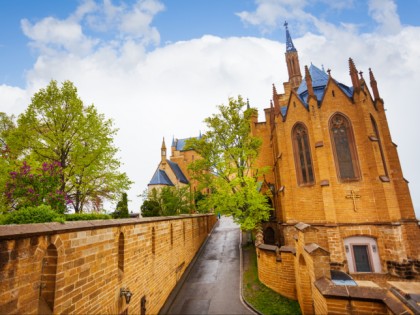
40	214
86	216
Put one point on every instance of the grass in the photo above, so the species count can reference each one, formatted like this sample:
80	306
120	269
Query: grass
262	298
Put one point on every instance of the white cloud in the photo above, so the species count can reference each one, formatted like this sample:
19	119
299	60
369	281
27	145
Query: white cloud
50	35
170	90
269	14
384	12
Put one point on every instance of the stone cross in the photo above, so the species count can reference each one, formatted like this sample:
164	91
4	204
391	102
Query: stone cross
353	196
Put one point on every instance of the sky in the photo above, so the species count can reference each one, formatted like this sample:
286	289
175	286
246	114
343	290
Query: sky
159	68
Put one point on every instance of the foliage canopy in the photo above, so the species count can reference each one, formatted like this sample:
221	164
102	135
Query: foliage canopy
58	128
166	201
227	166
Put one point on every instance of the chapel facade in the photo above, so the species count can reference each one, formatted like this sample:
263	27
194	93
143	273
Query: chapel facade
174	171
341	203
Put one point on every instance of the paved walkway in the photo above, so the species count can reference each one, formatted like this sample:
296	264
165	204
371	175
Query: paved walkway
213	285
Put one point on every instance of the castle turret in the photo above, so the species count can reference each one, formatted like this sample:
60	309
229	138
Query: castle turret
163	152
292	61
308	80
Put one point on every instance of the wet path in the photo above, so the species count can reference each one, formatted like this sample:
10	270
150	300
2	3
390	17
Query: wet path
213	285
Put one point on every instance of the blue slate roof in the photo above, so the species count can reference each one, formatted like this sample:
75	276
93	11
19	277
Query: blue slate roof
319	82
179	144
289	42
178	172
160	178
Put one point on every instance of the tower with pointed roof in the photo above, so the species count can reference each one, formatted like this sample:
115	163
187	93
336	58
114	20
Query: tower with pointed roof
341	202
292	60
174	172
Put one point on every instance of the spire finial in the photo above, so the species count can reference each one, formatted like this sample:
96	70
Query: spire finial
289	42
353	75
308	80
247	103
373	85
329	72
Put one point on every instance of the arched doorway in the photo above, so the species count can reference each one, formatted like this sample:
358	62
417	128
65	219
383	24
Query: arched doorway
269	236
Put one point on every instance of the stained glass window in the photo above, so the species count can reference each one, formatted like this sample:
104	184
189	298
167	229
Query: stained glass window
302	151
344	148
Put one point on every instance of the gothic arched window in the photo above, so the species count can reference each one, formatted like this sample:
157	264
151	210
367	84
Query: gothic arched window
302	152
344	148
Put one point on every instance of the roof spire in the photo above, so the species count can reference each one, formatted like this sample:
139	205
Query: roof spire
163	151
354	75
289	42
374	85
247	103
308	80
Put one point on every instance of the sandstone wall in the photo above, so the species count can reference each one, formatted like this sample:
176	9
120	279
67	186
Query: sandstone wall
80	267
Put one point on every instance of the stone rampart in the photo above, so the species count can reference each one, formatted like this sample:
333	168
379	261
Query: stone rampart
81	267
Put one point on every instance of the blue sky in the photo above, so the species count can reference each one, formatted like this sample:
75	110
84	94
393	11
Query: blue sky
136	60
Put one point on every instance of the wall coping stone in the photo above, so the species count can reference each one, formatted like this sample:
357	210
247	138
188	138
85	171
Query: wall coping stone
267	247
287	249
13	231
313	247
328	289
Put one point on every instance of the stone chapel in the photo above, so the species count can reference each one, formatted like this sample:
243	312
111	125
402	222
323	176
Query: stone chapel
341	204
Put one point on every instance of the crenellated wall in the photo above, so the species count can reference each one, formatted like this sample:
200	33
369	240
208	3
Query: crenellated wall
80	267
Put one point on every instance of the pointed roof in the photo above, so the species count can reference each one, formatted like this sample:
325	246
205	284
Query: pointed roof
160	178
289	43
178	172
319	83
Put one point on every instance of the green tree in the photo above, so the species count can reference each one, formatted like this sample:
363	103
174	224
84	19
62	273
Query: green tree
122	208
7	162
29	188
58	127
150	208
227	167
167	201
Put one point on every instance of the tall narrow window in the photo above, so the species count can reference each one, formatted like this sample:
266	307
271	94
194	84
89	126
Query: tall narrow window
376	131
121	253
302	152
153	240
344	148
172	235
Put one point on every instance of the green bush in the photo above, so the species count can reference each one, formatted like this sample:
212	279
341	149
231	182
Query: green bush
40	214
86	216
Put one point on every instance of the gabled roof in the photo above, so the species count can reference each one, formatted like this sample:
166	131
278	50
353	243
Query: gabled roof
160	178
319	83
178	172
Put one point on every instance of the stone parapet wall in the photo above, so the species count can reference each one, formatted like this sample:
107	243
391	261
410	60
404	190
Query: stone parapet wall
276	269
80	267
